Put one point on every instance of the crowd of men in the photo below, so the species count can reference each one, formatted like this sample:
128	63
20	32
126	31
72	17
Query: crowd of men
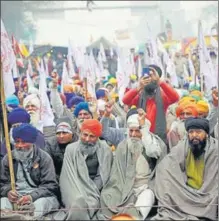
154	156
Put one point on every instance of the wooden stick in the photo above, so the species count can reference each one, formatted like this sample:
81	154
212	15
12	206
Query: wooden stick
5	122
85	87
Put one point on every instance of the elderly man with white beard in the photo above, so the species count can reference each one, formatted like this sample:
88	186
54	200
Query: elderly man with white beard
31	104
127	190
86	169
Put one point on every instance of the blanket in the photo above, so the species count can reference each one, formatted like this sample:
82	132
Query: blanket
170	186
78	190
118	194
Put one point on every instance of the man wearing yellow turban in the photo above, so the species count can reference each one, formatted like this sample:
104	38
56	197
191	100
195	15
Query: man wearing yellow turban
203	108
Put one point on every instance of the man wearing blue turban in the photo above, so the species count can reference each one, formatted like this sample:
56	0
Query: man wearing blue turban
34	174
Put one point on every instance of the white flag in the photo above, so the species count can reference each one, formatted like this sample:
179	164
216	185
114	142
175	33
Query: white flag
155	59
171	69
206	67
29	73
139	67
8	60
65	77
46	114
102	53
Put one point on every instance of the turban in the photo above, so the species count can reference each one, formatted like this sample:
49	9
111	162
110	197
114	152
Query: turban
195	97
193	86
197	123
156	68
188	106
81	106
33	99
12	100
25	132
93	125
75	101
68	88
33	90
186	99
133	77
112	81
196	93
18	115
69	96
202	106
100	93
133	110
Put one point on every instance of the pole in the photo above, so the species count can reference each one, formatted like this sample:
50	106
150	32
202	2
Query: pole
85	87
5	122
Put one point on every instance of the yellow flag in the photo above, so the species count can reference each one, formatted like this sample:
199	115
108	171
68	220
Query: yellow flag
24	50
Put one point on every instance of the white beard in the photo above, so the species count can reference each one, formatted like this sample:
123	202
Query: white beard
34	118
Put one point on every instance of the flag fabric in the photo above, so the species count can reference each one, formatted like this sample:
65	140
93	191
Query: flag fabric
209	77
29	73
139	67
65	77
8	61
153	49
46	114
171	70
102	53
31	47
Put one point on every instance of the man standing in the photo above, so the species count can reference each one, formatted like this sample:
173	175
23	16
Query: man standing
34	174
186	180
154	97
86	169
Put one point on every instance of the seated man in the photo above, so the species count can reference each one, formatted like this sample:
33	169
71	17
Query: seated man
177	129
64	136
186	180
34	174
135	160
86	168
15	117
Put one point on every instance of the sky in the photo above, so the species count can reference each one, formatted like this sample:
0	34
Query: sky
79	25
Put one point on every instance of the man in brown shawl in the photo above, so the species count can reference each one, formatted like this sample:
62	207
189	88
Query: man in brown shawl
186	181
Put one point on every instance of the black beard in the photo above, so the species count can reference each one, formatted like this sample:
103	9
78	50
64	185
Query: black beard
151	87
197	149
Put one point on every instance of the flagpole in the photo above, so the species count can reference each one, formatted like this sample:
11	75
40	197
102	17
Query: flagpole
85	87
5	122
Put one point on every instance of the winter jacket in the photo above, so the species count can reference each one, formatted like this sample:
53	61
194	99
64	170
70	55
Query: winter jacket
42	173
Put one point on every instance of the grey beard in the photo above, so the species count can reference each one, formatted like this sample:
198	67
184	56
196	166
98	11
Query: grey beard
135	146
88	149
22	155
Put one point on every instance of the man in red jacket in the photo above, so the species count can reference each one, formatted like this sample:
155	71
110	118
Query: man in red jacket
154	96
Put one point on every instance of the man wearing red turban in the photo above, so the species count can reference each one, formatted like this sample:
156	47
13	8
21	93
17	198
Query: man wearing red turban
85	170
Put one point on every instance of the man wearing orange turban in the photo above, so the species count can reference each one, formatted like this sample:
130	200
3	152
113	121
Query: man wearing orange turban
86	169
177	130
